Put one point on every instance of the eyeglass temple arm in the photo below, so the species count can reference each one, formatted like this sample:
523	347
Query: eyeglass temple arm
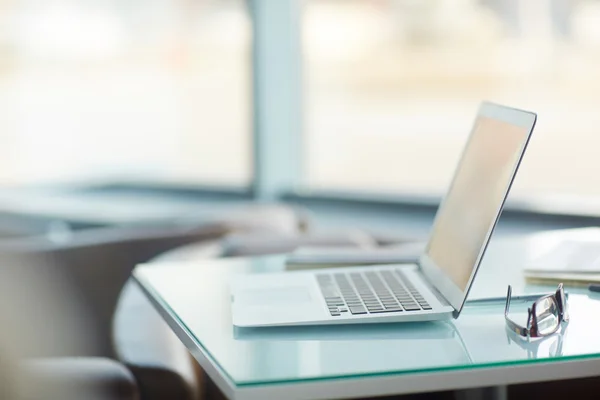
563	305
508	297
518	329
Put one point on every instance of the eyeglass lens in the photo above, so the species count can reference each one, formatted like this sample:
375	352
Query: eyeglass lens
546	315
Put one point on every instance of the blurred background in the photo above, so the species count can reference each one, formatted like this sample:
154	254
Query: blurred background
159	91
95	91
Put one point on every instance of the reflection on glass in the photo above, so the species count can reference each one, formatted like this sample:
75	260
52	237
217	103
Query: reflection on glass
330	350
551	346
358	332
138	90
391	86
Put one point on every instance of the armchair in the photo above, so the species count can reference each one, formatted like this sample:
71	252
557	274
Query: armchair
82	333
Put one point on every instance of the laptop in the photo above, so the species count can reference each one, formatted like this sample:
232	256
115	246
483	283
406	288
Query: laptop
434	288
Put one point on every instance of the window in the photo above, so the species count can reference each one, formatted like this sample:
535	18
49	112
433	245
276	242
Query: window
139	90
391	88
162	91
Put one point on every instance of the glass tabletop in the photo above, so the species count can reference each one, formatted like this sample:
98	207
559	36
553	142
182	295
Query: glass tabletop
197	296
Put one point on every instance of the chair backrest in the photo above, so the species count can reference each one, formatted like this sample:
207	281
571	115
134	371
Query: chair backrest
92	267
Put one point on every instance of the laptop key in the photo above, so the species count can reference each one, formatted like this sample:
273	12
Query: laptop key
393	308
410	302
357	310
411	307
404	300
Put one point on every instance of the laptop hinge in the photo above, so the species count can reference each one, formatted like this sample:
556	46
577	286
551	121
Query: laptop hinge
440	297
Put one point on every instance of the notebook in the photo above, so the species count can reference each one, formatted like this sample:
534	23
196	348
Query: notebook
319	257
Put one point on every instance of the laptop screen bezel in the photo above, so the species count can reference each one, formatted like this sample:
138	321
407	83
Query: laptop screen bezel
436	276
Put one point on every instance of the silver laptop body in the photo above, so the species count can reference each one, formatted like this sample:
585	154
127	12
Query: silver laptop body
437	286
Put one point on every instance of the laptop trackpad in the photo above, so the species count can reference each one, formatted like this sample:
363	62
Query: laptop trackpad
280	296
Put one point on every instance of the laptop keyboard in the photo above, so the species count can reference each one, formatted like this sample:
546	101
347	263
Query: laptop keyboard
371	292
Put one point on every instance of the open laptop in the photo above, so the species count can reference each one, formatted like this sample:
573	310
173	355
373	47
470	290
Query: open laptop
436	287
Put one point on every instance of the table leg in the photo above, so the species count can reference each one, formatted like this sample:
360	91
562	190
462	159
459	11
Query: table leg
488	393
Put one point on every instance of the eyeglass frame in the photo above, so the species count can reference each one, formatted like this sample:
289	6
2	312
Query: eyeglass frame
531	330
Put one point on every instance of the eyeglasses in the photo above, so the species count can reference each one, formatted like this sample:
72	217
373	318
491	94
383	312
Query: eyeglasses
543	318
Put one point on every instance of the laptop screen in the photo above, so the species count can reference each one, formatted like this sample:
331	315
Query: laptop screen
476	195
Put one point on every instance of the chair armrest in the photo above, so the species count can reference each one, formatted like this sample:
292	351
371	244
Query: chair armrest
77	378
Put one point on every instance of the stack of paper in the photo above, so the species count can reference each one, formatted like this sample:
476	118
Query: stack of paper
571	262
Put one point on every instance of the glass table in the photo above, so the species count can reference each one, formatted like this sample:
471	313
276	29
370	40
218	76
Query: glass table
378	359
